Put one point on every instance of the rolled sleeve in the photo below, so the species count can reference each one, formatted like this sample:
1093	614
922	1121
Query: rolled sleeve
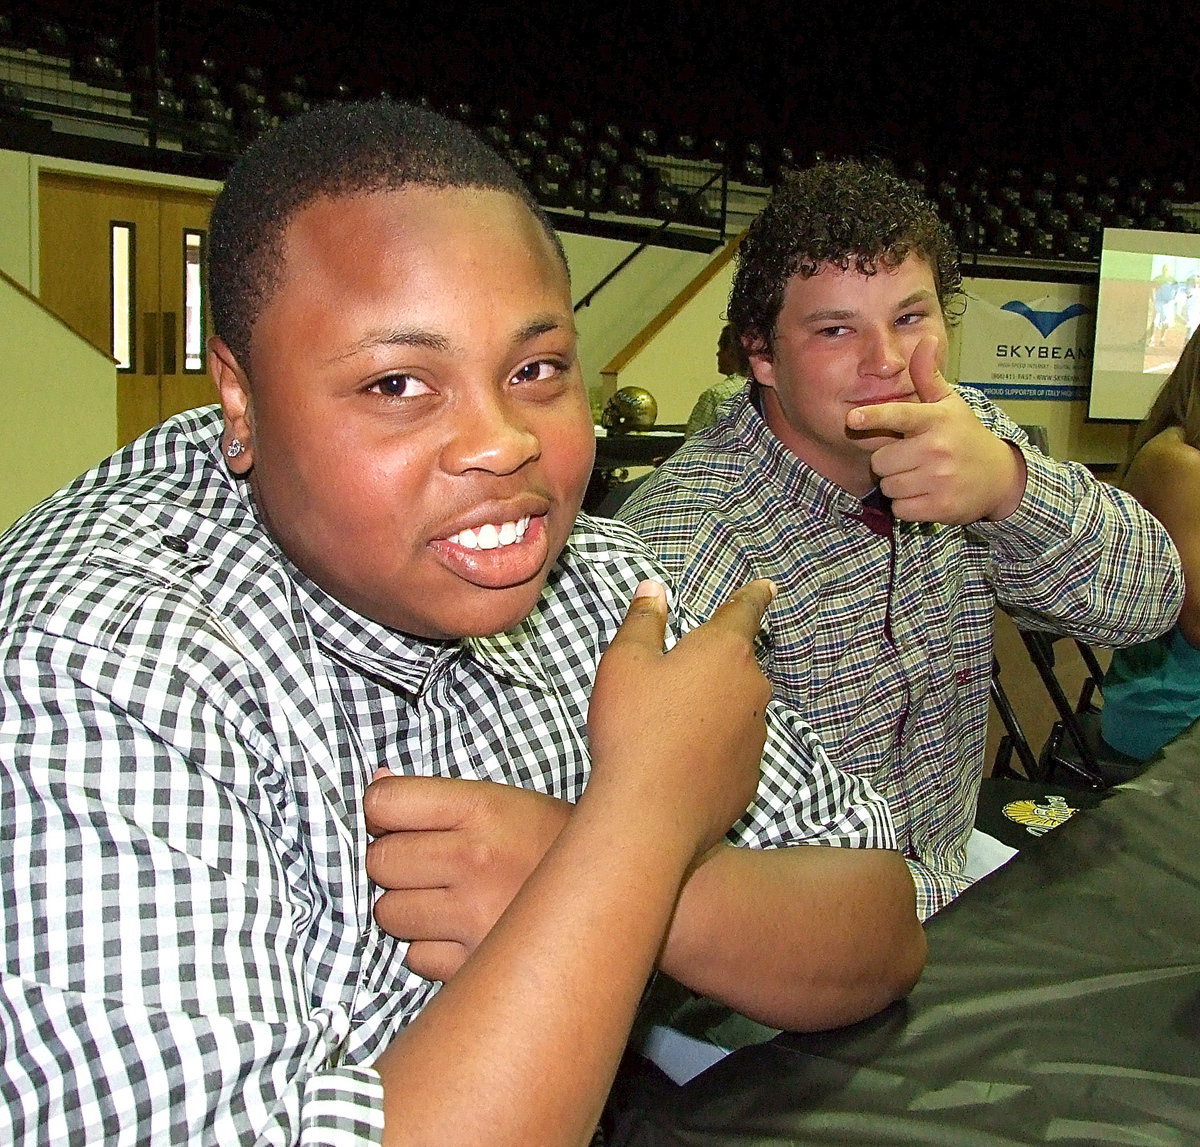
1083	557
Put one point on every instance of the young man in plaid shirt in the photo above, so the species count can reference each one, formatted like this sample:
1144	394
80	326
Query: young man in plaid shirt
894	511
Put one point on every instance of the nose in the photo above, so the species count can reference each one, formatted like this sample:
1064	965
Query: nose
491	434
883	353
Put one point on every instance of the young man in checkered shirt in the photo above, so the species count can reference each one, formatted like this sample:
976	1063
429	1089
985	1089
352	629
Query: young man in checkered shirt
302	714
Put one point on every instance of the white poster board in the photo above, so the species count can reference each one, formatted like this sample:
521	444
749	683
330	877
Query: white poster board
1023	339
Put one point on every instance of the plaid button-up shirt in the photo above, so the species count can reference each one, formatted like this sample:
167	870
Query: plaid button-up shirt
187	728
882	637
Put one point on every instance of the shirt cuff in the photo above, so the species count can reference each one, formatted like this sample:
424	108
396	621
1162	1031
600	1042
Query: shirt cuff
1046	514
935	887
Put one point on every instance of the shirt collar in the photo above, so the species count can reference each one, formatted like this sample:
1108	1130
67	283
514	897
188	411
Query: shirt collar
411	662
367	646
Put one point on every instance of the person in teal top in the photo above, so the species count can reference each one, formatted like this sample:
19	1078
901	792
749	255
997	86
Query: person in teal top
1152	690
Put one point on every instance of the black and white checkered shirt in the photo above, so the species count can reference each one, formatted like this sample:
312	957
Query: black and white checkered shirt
881	634
187	727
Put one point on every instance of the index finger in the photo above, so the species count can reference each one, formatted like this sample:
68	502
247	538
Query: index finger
903	418
397	804
743	612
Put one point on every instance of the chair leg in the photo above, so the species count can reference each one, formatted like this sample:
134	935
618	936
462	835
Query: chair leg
1014	739
1052	760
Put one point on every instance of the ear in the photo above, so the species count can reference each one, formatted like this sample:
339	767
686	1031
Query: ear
234	389
762	364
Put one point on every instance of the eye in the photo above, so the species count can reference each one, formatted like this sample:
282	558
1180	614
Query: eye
831	332
911	318
399	386
541	370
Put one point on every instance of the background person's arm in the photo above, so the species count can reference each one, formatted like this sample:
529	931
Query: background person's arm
1165	478
1071	554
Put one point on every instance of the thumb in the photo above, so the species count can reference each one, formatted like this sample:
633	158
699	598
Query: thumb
927	380
743	612
645	621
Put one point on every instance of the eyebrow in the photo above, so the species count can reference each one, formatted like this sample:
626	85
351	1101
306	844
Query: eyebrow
921	296
431	340
539	325
394	336
836	315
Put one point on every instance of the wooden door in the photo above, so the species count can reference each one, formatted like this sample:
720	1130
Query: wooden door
183	312
120	262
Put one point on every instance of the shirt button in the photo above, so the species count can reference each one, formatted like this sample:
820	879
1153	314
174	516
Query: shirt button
176	542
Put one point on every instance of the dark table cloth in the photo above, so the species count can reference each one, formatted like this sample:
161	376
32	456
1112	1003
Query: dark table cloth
1060	1004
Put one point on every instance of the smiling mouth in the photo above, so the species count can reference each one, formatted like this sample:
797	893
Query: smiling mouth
497	555
491	537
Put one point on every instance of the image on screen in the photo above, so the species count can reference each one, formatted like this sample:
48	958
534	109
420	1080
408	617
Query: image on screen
1147	306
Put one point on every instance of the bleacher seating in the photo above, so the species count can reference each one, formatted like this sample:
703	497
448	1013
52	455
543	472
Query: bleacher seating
88	83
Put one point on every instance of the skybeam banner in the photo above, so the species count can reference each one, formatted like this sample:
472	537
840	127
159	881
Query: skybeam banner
1022	339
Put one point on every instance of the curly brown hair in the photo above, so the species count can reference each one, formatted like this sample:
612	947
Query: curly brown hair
847	213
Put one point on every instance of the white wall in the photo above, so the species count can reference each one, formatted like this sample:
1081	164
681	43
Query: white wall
625	305
60	403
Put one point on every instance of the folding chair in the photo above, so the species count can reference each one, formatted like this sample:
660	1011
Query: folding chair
1013	740
1074	743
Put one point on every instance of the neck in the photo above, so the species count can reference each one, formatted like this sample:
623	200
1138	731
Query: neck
851	469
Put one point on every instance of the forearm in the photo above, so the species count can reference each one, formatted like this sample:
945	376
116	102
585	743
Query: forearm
521	1046
799	938
1085	559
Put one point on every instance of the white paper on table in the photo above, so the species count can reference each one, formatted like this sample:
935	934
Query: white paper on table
985	854
682	1057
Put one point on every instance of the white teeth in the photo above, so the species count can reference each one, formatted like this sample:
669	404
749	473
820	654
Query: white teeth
490	537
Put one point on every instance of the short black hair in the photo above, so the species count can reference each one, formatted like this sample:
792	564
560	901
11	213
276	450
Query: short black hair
335	150
848	213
